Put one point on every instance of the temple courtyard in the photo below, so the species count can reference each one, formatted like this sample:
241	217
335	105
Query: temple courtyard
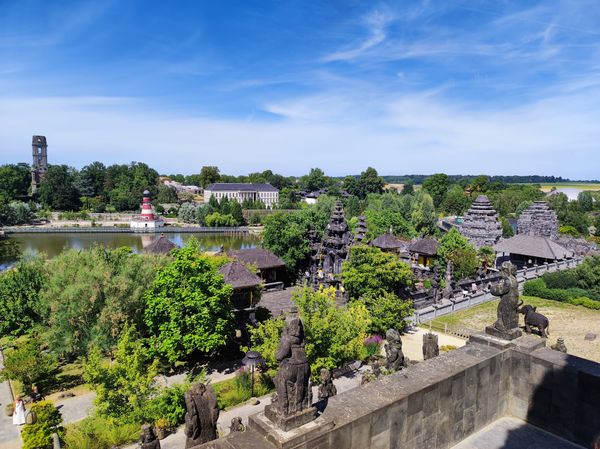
570	322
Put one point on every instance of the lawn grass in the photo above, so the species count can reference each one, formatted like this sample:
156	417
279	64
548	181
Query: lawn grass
566	320
232	392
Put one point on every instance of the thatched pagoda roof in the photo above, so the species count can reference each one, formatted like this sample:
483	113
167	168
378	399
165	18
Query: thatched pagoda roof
238	276
533	246
259	257
161	245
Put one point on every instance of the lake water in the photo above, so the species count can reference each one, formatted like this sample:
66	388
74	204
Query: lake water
54	244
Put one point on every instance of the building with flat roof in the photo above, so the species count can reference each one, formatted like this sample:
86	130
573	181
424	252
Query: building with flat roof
241	192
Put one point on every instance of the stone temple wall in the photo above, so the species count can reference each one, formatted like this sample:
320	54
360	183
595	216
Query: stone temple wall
441	401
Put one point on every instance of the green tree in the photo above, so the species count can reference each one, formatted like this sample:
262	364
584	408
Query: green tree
14	181
370	182
125	386
585	201
89	295
370	271
57	190
188	307
423	215
437	186
209	175
91	180
28	364
48	421
507	229
454	247
408	188
381	221
480	183
166	194
387	311
315	180
333	335
287	234
455	202
20	296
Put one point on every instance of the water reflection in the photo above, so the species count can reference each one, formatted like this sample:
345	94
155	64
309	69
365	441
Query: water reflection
54	244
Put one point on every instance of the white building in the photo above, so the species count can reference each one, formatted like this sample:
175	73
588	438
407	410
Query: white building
241	192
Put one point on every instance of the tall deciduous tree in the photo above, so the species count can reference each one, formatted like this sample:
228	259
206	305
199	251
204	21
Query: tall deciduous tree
454	247
188	307
57	190
370	271
209	175
437	186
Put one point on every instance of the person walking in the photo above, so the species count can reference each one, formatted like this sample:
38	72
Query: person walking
19	412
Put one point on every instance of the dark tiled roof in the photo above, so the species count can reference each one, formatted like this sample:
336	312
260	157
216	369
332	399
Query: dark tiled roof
259	257
388	241
533	246
425	246
161	245
242	187
236	274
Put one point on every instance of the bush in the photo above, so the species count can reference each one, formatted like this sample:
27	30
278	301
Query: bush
373	346
586	302
73	216
169	405
39	434
560	279
238	390
29	365
97	432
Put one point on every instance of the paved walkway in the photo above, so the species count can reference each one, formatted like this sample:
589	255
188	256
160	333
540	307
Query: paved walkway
512	433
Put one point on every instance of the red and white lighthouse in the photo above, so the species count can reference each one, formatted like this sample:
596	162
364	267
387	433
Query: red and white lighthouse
147	219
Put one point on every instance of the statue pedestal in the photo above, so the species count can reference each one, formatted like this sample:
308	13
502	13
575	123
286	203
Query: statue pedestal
287	423
510	334
302	436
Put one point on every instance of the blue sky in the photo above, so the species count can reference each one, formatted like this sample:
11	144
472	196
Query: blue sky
496	87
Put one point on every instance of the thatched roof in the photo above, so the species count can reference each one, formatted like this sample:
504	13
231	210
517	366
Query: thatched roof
533	246
388	241
236	274
259	257
426	246
161	245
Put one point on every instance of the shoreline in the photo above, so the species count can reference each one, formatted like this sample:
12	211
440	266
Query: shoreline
124	230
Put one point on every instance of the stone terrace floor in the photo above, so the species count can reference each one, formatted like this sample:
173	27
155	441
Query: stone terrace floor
512	433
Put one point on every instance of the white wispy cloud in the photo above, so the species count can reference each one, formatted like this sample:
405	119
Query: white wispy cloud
375	23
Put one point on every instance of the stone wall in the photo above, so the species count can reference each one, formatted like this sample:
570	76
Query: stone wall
557	392
439	402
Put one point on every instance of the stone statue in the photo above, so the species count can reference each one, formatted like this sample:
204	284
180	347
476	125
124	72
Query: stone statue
448	292
327	388
236	425
507	323
376	369
430	346
393	351
201	415
435	284
560	345
292	405
535	319
148	438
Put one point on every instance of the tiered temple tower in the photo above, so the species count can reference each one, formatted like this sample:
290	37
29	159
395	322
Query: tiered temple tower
39	165
538	220
333	250
361	229
481	225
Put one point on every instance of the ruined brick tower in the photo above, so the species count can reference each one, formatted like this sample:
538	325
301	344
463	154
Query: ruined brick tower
39	165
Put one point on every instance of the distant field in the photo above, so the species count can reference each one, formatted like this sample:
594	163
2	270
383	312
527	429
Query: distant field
399	187
566	320
575	185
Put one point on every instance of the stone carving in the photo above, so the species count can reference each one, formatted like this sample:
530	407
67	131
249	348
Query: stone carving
376	369
507	324
430	346
148	438
201	415
236	425
535	319
393	351
538	220
435	284
481	225
291	406
448	291
327	388
560	345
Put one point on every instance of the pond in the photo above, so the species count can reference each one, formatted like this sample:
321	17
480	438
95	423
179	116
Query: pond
54	244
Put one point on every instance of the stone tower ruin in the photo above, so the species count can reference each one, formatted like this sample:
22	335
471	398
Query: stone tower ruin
39	165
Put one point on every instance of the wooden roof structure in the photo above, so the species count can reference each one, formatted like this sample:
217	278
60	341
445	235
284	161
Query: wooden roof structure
161	245
533	246
238	276
425	246
259	257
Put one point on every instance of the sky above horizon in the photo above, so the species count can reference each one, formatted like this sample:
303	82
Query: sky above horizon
504	87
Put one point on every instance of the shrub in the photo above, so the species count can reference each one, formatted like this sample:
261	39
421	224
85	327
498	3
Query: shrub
97	432
238	390
560	279
29	365
169	405
373	346
39	434
586	302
